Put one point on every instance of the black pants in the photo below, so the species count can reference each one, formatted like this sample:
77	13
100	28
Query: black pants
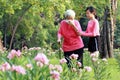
80	56
93	44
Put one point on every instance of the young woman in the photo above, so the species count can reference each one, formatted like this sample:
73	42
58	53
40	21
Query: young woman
92	30
72	43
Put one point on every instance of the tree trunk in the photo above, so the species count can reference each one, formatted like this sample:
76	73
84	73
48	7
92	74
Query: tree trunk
16	26
107	35
113	23
104	48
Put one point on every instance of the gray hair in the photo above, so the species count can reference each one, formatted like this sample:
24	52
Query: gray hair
69	13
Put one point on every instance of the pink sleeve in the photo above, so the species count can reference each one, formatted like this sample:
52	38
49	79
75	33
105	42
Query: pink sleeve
95	30
59	34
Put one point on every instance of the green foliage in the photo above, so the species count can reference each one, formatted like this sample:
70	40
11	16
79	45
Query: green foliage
33	23
100	70
117	57
37	25
117	32
117	28
1	34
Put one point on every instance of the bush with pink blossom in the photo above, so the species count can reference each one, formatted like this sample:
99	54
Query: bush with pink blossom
40	64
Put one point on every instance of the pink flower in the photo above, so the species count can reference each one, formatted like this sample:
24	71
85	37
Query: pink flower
29	66
42	58
62	61
74	56
74	69
59	68
56	67
18	53
4	67
88	69
14	53
79	64
55	75
51	67
18	69
92	55
39	64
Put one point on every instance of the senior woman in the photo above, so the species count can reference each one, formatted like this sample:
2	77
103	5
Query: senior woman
72	43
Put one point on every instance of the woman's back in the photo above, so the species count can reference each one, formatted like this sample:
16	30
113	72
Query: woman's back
71	40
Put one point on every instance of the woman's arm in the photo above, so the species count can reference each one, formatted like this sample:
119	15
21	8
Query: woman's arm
95	30
76	27
59	34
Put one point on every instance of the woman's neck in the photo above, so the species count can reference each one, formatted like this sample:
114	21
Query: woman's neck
92	18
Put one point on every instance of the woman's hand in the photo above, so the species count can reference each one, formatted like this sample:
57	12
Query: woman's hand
79	33
70	22
59	41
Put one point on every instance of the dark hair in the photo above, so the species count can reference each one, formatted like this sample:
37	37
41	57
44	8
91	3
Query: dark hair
92	10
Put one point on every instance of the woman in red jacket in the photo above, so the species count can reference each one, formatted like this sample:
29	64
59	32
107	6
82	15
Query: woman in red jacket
72	43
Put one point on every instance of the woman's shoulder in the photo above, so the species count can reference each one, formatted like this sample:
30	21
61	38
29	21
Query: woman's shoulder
95	21
76	21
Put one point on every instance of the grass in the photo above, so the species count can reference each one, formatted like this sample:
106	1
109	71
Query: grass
113	68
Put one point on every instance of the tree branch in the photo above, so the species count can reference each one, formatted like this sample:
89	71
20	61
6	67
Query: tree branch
18	22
